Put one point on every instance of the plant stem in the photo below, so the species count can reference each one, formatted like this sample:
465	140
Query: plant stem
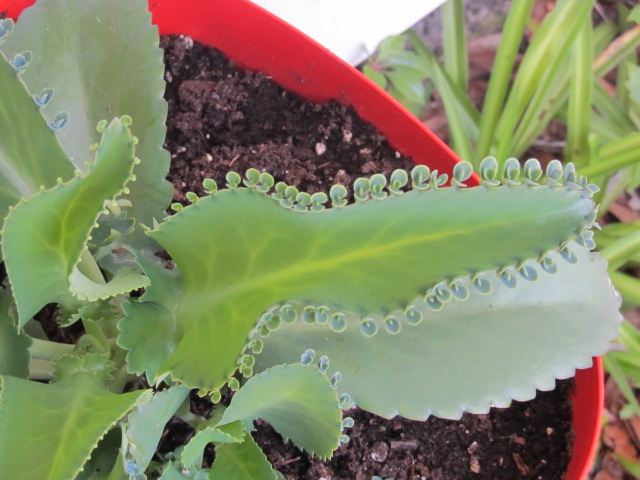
47	350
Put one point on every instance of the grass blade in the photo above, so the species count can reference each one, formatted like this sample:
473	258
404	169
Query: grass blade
454	43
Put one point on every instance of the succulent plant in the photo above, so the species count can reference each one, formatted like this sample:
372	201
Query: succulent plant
418	299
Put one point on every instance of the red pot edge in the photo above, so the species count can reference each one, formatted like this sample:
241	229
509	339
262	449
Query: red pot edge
174	17
588	411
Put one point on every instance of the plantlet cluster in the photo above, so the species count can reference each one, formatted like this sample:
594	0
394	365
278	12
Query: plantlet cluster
418	299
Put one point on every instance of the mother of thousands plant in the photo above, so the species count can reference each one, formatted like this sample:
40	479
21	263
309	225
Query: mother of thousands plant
417	300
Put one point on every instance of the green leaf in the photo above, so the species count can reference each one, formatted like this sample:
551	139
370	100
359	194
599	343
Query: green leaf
30	154
390	47
408	84
125	280
62	422
102	59
634	14
148	331
45	235
240	253
175	471
297	401
145	425
481	352
93	364
14	344
241	461
192	454
633	83
377	77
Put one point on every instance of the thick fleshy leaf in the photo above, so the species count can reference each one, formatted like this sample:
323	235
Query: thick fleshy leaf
240	252
102	60
297	401
241	461
14	344
30	154
483	351
146	423
62	422
45	235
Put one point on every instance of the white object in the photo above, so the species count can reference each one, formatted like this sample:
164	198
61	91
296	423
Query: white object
351	29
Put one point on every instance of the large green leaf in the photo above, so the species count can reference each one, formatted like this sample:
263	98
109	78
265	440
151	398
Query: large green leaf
45	235
240	252
297	401
103	60
62	422
30	155
472	354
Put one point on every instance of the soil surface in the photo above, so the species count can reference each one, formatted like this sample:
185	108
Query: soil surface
221	119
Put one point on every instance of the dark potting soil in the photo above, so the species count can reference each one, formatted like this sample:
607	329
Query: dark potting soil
221	119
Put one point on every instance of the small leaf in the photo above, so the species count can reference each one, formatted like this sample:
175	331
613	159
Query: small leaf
297	401
241	461
145	425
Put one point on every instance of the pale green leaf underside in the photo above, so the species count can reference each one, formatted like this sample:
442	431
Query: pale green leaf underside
30	155
102	59
45	235
241	461
62	422
240	253
472	354
145	425
297	401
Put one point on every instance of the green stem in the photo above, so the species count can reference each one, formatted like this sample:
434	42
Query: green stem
47	350
501	74
120	376
40	369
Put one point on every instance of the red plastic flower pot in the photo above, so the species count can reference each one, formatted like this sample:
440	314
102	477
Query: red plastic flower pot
257	40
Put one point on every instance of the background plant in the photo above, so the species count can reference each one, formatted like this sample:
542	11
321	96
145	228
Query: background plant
258	270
